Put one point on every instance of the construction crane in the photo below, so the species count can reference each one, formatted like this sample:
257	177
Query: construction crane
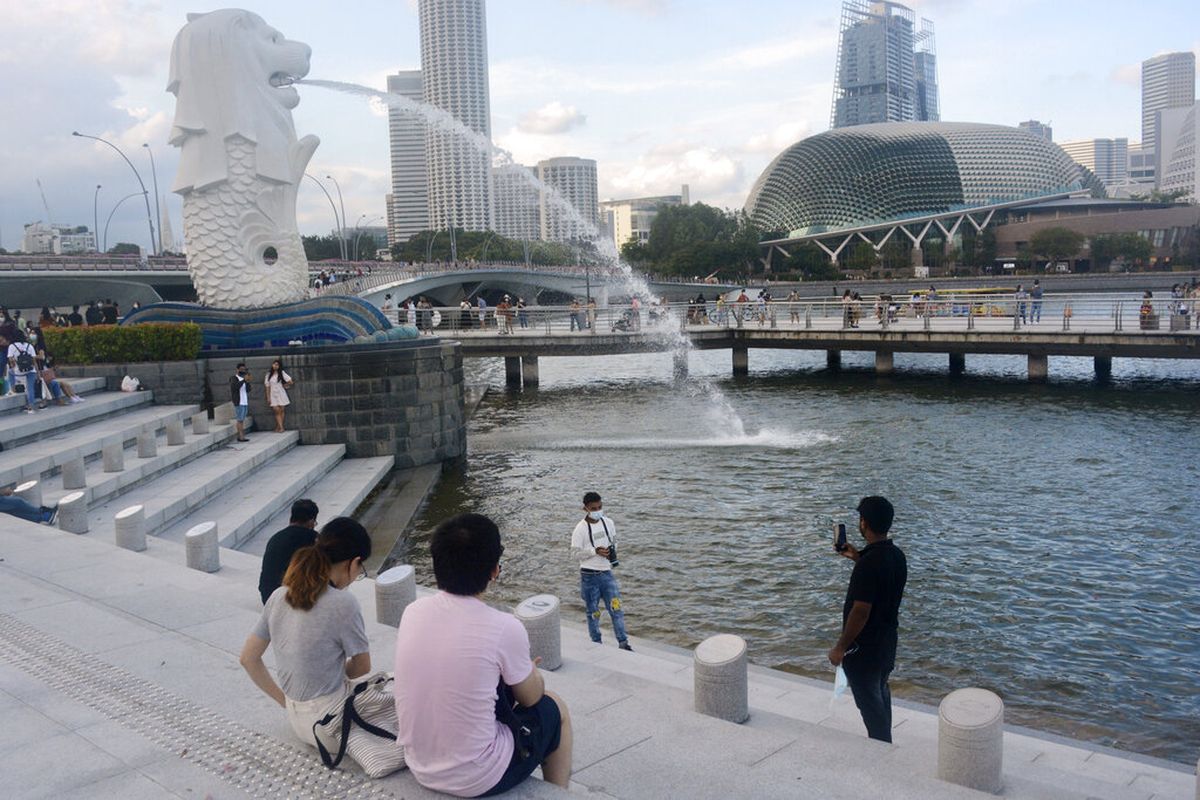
45	205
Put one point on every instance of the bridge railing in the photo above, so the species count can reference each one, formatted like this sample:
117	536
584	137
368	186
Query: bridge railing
984	313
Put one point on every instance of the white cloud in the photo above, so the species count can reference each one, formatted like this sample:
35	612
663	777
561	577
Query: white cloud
708	171
552	118
781	136
778	51
641	6
1127	74
120	37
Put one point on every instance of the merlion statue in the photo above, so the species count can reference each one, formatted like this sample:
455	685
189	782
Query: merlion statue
231	74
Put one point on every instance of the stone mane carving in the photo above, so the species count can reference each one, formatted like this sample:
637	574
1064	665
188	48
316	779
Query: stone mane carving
240	162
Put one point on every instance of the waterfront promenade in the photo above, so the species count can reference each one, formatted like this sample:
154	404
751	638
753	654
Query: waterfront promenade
1101	327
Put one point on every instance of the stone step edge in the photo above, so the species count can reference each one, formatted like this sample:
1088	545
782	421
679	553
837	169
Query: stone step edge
340	508
38	426
158	519
242	532
91	449
142	471
15	402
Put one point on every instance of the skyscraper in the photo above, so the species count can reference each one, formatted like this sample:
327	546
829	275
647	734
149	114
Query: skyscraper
454	68
1168	81
516	202
886	67
575	182
408	208
1108	159
1039	129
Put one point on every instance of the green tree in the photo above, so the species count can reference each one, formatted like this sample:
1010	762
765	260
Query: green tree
124	249
320	248
1159	196
1056	244
1130	247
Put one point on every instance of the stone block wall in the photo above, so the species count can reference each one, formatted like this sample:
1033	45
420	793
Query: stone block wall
403	399
174	383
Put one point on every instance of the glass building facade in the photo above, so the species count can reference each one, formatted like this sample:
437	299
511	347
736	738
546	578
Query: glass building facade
868	174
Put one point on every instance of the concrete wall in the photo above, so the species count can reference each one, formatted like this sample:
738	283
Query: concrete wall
400	399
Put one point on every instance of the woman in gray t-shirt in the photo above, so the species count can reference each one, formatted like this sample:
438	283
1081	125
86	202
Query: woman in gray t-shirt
315	628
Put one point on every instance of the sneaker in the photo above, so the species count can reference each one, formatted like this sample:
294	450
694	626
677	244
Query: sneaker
49	514
28	409
625	646
76	399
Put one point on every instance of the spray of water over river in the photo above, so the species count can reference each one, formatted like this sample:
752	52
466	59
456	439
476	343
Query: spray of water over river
1047	527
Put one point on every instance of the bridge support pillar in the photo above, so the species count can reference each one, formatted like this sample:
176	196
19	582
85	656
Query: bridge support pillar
741	360
1039	367
884	361
512	372
1103	366
833	359
681	363
529	371
958	363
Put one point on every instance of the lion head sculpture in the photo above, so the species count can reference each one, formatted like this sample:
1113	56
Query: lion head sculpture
231	74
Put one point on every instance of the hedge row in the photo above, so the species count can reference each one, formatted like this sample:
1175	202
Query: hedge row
118	344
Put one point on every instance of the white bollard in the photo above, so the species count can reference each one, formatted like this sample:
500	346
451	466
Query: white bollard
147	444
72	513
114	457
30	492
971	739
721	685
131	528
175	433
203	549
200	423
395	588
223	414
539	615
73	474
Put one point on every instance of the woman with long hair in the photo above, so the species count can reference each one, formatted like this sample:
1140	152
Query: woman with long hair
315	628
277	383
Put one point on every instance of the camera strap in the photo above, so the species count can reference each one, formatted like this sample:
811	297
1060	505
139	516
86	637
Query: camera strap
607	535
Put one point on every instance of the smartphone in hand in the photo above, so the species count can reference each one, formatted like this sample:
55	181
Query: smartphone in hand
839	539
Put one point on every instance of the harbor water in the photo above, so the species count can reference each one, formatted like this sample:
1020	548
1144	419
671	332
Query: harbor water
1048	527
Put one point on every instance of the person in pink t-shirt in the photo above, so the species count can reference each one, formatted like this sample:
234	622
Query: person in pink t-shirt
453	652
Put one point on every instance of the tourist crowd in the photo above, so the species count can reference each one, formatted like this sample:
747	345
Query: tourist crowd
465	707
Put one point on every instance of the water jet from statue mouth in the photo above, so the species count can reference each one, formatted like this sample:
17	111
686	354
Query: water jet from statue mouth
282	80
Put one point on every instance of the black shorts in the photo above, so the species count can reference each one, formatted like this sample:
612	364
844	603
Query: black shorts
545	724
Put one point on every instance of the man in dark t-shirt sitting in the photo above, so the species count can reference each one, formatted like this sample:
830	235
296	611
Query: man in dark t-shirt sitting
300	532
866	650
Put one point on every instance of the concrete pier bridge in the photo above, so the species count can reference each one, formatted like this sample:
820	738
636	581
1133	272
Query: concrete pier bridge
1101	327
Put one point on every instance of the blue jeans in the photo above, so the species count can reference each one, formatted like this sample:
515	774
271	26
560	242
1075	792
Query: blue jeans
20	507
597	586
30	381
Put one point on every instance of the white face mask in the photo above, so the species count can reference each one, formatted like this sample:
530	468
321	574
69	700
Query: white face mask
597	514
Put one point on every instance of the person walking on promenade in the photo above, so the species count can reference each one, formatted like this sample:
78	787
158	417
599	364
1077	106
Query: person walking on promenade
594	543
460	665
315	628
1035	308
276	384
300	532
866	650
239	395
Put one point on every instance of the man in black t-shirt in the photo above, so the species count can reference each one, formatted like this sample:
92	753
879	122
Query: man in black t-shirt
300	532
866	650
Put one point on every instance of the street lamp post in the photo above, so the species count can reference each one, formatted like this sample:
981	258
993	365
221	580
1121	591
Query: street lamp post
96	216
110	216
336	222
429	247
157	200
358	231
136	174
342	230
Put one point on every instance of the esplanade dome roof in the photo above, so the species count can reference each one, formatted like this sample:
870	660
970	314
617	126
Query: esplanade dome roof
868	174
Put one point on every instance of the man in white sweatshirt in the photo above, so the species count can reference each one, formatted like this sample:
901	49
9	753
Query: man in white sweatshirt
594	543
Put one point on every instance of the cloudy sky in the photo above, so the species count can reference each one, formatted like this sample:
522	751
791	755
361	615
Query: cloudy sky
659	92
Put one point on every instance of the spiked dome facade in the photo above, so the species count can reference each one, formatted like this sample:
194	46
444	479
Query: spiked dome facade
867	174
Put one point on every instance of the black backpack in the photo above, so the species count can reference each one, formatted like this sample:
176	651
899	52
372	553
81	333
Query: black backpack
25	362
